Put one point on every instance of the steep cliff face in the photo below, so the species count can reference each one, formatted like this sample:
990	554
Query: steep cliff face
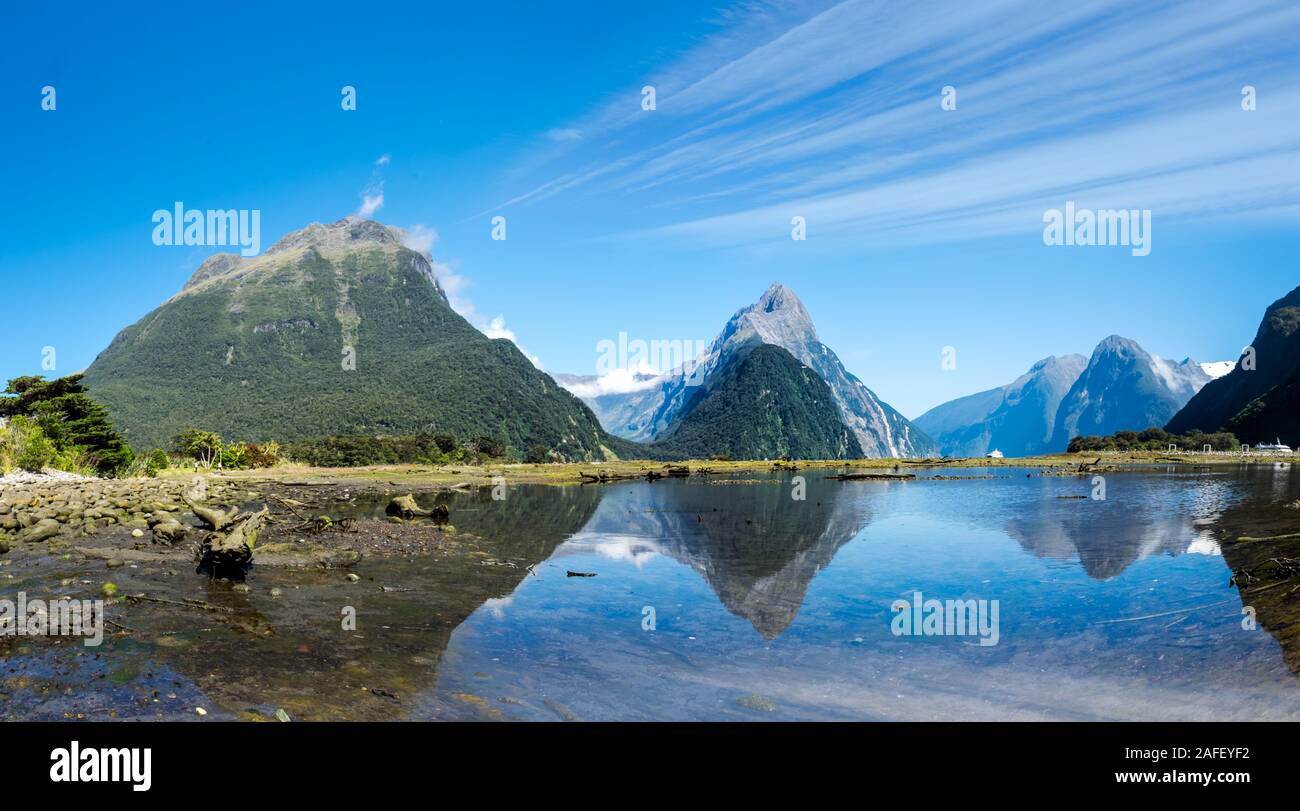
1256	400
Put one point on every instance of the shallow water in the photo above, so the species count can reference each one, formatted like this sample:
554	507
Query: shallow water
763	607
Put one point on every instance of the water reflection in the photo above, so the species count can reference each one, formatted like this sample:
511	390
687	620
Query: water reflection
756	546
438	632
1141	517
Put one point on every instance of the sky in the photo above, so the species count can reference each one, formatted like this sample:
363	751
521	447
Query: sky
923	218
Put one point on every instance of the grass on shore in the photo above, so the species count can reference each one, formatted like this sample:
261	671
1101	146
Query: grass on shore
571	472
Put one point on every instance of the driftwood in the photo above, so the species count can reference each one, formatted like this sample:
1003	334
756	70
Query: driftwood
678	472
1085	467
407	507
605	476
215	519
853	477
227	550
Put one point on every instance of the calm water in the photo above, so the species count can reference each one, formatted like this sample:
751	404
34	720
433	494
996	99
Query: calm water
763	606
767	607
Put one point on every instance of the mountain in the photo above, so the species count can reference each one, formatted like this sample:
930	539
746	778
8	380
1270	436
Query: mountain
778	318
257	349
1017	419
765	406
1124	389
1259	404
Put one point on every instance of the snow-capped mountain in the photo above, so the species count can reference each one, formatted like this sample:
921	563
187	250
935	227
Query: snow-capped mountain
780	319
1218	368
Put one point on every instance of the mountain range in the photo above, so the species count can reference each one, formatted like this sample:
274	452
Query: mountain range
1121	387
341	329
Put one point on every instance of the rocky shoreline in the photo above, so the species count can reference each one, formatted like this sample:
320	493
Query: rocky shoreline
178	640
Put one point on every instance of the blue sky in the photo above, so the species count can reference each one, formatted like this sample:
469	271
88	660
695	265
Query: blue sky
924	225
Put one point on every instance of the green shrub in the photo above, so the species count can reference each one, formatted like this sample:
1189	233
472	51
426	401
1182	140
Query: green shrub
78	429
26	447
157	460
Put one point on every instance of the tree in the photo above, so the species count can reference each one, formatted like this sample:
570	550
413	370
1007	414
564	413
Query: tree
74	424
203	446
488	446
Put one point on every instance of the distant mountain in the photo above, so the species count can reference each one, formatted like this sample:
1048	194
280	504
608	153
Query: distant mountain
615	406
780	319
764	406
1017	419
1123	388
1260	404
258	349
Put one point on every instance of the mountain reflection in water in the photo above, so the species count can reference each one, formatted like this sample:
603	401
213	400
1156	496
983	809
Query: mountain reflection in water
1115	608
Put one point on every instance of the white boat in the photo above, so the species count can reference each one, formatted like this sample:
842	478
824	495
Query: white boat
1276	447
994	454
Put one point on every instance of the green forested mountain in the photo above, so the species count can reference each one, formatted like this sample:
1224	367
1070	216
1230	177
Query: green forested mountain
1258	399
1273	415
335	330
767	406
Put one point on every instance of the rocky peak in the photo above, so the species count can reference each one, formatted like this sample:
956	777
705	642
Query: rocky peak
1118	345
214	265
348	233
778	317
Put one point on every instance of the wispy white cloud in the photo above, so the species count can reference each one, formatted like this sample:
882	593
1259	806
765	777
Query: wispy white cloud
422	239
565	134
371	201
832	112
372	196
